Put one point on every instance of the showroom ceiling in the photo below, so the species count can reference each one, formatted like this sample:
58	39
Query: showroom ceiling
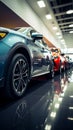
59	8
60	24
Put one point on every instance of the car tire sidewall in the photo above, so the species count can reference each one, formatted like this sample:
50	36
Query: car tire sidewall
9	85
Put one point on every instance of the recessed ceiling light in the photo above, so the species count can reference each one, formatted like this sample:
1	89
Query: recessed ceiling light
59	36
48	16
69	12
70	118
62	40
55	28
71	32
41	3
58	33
71	25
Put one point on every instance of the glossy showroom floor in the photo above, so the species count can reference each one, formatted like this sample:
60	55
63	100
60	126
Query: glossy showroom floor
47	105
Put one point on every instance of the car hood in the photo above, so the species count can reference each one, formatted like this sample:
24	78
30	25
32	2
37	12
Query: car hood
12	31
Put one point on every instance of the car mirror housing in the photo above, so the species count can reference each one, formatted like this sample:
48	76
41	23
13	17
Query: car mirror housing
36	36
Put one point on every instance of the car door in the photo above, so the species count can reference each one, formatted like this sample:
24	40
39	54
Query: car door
41	58
39	62
37	58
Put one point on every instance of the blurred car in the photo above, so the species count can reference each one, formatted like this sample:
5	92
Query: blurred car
69	62
63	61
66	61
59	59
22	57
56	59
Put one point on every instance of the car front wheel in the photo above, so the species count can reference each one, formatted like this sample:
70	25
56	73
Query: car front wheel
17	76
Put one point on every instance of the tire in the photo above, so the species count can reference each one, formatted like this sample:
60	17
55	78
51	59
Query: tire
51	75
18	76
64	68
51	70
60	70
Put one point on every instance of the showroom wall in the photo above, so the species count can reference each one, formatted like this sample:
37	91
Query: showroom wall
9	19
20	14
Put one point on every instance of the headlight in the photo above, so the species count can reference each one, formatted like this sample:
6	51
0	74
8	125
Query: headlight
3	34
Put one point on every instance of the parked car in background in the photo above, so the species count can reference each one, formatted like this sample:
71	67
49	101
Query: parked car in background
56	59
59	59
47	53
22	57
69	62
64	64
65	60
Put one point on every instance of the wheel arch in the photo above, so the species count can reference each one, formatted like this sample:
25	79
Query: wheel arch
18	48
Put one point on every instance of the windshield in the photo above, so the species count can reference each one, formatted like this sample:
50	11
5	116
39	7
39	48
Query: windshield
22	30
25	30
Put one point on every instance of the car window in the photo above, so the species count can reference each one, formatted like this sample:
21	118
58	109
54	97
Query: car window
42	44
25	30
29	33
39	43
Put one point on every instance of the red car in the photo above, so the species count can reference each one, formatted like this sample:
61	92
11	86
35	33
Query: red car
58	59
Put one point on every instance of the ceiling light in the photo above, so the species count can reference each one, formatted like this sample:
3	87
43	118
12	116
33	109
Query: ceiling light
55	28
41	3
60	99
48	16
71	96
71	32
63	43
71	108
71	25
47	127
60	37
62	40
57	105
58	33
53	114
69	12
70	118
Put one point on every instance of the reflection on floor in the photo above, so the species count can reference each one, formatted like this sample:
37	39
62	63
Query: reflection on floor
47	105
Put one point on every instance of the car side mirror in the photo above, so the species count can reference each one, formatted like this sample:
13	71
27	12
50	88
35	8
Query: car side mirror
36	36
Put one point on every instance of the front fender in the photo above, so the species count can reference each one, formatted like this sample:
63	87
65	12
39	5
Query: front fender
17	48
